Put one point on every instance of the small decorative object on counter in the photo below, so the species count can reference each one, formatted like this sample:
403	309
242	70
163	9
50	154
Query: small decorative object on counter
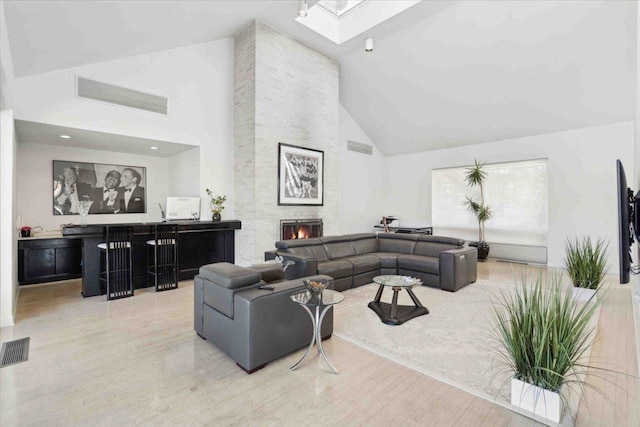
25	231
315	286
84	206
216	203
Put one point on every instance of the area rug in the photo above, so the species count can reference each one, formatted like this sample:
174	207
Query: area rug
453	343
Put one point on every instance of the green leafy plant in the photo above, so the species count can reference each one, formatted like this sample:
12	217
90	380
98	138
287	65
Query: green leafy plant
216	202
586	262
543	333
476	176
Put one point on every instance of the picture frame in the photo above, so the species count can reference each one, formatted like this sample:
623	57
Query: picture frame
300	176
111	189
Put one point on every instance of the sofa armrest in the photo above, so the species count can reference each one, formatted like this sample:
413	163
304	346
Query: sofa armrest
458	268
303	266
269	272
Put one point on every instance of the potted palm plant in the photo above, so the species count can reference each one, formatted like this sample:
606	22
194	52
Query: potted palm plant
476	176
586	265
543	335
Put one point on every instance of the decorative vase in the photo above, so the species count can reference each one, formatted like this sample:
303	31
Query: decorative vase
216	217
541	402
25	233
584	294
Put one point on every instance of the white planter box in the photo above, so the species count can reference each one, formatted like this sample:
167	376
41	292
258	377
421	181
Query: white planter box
544	403
583	294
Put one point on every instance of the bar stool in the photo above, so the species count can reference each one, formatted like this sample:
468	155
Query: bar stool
164	264
117	274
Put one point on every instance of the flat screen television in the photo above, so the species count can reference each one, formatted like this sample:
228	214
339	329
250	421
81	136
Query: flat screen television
628	222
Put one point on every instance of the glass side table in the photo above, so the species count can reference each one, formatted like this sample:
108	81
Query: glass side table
320	305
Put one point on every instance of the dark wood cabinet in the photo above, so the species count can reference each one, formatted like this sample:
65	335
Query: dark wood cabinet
48	260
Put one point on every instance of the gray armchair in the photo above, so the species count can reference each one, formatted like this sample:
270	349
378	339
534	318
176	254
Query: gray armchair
254	326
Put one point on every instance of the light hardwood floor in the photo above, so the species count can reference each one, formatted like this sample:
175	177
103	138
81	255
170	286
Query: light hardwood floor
138	361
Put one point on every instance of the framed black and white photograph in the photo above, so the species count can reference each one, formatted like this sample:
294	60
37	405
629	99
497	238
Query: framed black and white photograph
300	175
97	187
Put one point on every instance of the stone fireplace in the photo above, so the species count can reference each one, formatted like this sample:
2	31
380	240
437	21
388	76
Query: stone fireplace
268	112
300	228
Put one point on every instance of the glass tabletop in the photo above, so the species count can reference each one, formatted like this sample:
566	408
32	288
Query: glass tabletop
327	297
399	281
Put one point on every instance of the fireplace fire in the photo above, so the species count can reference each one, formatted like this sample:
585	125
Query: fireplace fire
300	228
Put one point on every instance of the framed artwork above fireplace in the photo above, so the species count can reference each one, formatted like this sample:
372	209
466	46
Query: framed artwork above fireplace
300	176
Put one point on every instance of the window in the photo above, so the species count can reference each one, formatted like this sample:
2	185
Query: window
517	193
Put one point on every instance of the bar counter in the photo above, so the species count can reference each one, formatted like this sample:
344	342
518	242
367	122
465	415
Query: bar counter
199	243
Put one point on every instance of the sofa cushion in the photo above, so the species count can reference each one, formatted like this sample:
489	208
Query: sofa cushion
432	249
337	247
388	259
270	272
311	248
441	239
433	245
364	243
399	243
364	263
336	268
229	275
422	263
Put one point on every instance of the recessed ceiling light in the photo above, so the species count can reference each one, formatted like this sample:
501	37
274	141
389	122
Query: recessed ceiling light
154	148
65	137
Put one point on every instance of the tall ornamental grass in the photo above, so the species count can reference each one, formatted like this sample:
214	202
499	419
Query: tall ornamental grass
586	262
543	333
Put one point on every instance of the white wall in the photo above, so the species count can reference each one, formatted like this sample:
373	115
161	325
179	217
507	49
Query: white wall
362	195
6	65
8	241
582	180
35	183
8	232
197	80
184	174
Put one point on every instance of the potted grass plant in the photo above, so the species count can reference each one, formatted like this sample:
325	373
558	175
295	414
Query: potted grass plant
543	335
586	265
476	176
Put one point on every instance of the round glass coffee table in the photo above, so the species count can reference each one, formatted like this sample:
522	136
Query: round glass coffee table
320	305
394	314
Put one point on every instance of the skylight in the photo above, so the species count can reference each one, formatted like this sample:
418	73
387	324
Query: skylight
339	7
342	20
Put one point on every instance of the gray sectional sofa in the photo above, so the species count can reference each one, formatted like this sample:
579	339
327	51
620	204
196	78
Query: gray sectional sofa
355	259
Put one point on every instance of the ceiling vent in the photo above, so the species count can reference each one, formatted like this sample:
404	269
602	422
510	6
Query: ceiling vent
121	96
359	147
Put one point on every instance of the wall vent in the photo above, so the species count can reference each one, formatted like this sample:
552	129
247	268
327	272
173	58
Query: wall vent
121	96
359	147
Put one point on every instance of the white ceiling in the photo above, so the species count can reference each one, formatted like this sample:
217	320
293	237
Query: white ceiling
442	74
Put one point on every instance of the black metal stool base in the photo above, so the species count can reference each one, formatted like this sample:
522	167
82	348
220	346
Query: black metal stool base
404	313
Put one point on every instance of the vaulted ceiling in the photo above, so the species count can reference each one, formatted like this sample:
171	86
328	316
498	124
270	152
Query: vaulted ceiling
442	73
